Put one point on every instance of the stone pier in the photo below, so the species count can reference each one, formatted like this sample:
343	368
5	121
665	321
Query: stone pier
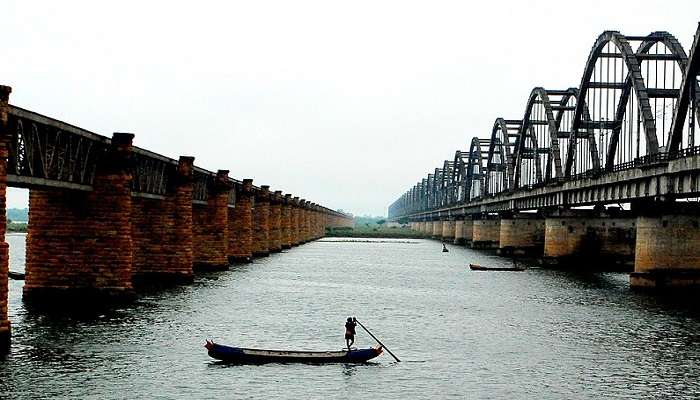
4	258
287	221
210	226
486	232
667	250
521	234
593	239
463	231
162	231
295	227
448	231
437	230
79	245
240	222
261	222
275	233
428	228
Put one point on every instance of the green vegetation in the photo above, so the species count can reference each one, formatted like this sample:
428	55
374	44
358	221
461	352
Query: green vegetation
374	232
16	226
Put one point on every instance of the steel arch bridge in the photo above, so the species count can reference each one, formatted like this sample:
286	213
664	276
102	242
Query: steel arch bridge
628	131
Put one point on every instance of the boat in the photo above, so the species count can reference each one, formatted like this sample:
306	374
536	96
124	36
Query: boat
257	356
477	267
18	276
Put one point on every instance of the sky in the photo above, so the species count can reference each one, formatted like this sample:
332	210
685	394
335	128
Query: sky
347	104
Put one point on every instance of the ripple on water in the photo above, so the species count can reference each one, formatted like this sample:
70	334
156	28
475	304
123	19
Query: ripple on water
461	333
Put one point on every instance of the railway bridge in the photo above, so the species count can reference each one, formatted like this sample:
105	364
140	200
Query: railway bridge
605	172
105	215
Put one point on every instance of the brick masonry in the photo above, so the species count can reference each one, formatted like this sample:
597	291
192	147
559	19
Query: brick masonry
275	232
162	232
210	227
286	222
240	244
261	222
295	222
4	259
79	244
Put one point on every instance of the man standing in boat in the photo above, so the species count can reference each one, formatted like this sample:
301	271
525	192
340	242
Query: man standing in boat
350	331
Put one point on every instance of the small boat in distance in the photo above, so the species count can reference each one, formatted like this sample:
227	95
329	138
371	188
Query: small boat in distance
477	267
256	356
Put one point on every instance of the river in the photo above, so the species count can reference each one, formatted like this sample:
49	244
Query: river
537	334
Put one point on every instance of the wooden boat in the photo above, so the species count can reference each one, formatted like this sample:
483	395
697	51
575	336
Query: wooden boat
477	267
256	356
18	276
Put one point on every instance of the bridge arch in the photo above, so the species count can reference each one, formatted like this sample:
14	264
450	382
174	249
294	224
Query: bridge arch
601	91
501	146
476	167
459	175
689	100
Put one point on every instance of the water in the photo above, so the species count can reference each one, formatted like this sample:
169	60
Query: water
461	334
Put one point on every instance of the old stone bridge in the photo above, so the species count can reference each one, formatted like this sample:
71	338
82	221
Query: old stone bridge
607	171
104	214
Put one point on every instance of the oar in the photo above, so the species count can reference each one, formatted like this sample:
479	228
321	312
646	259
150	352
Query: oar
380	343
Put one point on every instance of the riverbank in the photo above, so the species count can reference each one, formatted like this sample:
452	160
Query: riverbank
376	232
17	227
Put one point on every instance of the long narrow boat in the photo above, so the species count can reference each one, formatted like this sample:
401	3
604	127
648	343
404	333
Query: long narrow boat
477	267
257	356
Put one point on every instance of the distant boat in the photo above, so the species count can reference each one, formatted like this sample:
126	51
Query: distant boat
477	267
18	276
257	356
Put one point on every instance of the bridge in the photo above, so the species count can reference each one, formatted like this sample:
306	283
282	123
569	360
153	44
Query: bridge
105	215
607	171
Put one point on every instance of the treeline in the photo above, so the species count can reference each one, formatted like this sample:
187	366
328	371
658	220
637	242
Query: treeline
18	214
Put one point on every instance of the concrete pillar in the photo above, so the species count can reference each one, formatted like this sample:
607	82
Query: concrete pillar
162	231
295	222
448	231
240	223
210	227
79	243
428	228
521	234
459	232
5	136
261	222
275	233
287	221
667	249
437	230
486	232
589	238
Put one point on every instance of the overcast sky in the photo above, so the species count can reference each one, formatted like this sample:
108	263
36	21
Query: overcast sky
347	104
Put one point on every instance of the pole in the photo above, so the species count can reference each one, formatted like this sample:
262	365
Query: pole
380	343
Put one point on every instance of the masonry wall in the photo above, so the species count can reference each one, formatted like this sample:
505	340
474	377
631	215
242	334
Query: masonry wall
521	235
286	223
210	227
4	258
240	248
448	230
275	223
162	234
486	233
261	223
572	240
79	244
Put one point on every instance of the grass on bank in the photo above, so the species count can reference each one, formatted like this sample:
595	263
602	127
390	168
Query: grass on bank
16	226
374	232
